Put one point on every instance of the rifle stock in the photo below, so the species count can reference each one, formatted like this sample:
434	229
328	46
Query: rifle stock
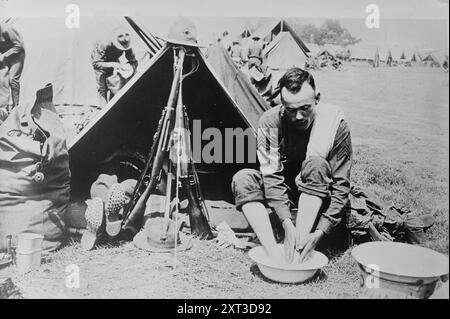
197	212
134	220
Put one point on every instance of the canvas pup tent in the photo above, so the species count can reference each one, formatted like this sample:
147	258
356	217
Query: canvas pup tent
120	135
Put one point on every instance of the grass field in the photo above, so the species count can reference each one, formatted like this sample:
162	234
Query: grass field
399	121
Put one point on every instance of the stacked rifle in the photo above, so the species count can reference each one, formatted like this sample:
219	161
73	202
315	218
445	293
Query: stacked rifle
170	162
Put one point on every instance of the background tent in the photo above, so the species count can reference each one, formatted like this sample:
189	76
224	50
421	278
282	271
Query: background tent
433	58
397	52
269	31
408	53
122	133
283	53
389	58
403	57
376	60
237	84
285	49
384	53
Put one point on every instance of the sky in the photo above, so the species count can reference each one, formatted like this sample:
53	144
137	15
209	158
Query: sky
416	23
411	9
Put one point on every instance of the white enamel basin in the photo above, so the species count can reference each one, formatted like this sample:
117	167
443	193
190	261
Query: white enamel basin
410	269
282	271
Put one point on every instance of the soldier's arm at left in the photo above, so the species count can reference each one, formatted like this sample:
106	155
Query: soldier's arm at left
17	43
129	54
340	160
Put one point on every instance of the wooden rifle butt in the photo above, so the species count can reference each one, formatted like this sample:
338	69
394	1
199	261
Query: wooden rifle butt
197	217
136	216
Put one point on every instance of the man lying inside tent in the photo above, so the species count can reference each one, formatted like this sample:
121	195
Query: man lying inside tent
108	197
305	154
111	74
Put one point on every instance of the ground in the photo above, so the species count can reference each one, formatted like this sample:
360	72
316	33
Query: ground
399	121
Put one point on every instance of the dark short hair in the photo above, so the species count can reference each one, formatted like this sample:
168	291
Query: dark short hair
294	79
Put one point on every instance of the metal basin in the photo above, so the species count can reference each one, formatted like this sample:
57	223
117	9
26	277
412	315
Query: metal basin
408	269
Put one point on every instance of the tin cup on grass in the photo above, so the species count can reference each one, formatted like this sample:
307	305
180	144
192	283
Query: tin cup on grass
29	251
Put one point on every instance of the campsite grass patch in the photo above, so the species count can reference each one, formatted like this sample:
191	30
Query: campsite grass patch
399	124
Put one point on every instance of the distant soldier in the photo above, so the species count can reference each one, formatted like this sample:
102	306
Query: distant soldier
236	53
226	41
12	58
255	54
111	75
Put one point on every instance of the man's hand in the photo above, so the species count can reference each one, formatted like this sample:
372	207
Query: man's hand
289	240
115	65
309	243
